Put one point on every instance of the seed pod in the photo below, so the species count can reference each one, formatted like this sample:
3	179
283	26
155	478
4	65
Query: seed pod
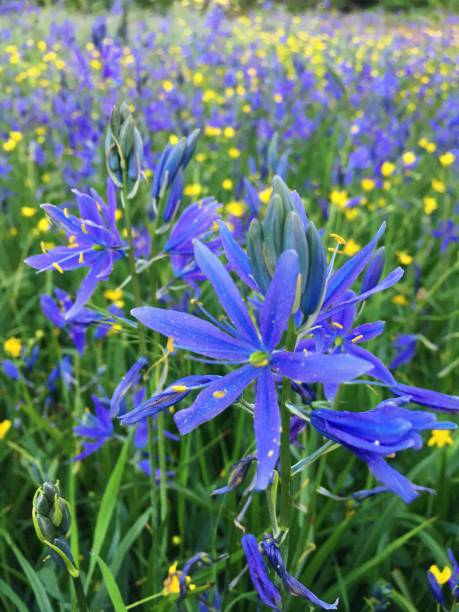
127	137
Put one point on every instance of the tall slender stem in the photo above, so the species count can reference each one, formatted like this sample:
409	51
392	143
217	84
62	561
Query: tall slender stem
81	597
285	459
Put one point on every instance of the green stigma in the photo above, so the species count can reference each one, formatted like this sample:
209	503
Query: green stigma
259	359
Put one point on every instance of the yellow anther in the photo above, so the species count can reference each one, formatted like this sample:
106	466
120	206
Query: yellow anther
170	345
179	388
337	325
219	394
84	229
357	338
66	213
81	258
441	576
57	267
339	239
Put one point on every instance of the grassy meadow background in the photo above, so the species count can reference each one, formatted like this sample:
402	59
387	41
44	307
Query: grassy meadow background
366	111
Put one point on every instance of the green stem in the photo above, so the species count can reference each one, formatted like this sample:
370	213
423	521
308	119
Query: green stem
81	597
285	459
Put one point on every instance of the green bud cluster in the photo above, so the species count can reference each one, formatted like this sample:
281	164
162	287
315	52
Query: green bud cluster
124	149
284	227
51	519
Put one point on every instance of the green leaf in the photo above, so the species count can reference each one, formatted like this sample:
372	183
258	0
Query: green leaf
127	541
107	506
8	592
111	586
43	602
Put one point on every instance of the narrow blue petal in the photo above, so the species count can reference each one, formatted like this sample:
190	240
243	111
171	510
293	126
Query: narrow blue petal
426	397
227	292
343	278
262	583
237	258
280	298
215	398
378	369
99	271
393	480
194	334
129	379
314	367
389	281
267	426
297	589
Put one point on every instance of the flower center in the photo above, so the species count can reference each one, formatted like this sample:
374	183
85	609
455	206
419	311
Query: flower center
259	359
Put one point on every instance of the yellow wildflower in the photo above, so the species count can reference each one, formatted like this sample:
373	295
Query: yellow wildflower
339	198
438	186
234	153
387	169
13	346
404	258
408	158
351	247
227	184
430	204
440	438
400	299
229	132
265	195
368	184
441	576
192	190
28	211
168	86
447	159
236	209
4	428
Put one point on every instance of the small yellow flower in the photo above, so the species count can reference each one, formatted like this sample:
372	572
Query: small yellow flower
441	576
173	139
408	158
198	78
192	190
234	153
351	247
368	184
28	211
387	169
172	582
236	209
176	539
430	204
43	225
265	195
438	186
447	159
96	64
339	198
351	213
227	184
4	428
201	157
13	346
168	86
400	299
229	132
404	258
440	438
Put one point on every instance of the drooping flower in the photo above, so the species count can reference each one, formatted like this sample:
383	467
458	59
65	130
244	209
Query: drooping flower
251	347
375	434
93	242
96	429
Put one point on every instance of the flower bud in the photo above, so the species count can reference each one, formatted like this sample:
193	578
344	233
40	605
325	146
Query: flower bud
124	150
51	519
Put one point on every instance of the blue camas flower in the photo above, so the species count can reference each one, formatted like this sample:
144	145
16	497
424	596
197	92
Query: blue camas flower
93	242
96	428
253	347
376	434
261	580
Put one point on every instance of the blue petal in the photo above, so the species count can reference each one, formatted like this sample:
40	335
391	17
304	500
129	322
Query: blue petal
393	480
237	258
129	379
343	278
267	425
266	590
390	280
280	298
314	367
100	270
194	334
215	398
425	397
227	292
